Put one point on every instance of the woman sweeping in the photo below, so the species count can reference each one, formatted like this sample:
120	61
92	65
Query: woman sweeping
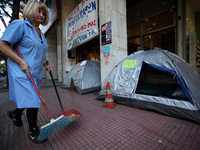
26	35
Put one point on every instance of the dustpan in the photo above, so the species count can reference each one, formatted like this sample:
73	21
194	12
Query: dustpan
71	113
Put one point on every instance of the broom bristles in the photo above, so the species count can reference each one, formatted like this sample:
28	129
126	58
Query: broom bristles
50	128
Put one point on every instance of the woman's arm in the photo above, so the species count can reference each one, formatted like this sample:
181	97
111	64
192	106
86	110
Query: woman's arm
6	50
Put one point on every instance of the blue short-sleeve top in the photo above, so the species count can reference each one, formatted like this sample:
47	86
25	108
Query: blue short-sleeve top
33	50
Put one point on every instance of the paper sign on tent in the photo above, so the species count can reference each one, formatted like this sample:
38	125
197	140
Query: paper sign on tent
129	63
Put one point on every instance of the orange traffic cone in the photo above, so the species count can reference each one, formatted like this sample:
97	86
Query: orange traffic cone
109	103
72	86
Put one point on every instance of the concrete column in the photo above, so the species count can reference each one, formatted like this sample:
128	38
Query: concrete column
184	48
51	55
59	51
67	7
114	11
179	29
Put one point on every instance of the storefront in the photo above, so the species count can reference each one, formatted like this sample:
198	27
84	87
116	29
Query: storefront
151	24
134	25
88	51
82	31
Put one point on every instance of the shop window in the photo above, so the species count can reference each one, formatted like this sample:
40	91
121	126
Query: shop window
133	30
157	31
88	51
164	39
159	21
71	54
134	45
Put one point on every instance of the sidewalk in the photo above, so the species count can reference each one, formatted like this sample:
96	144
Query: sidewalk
121	128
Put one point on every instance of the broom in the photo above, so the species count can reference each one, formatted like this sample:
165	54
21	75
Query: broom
59	123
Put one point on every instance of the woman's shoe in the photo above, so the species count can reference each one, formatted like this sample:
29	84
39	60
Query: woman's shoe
15	118
33	135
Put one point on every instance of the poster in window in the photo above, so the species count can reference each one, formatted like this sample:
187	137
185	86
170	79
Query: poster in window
106	35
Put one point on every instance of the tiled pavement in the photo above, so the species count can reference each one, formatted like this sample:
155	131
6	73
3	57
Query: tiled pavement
121	128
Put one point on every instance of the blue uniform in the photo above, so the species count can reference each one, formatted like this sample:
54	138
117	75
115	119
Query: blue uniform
33	51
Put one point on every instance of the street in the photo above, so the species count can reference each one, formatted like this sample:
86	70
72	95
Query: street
120	128
3	82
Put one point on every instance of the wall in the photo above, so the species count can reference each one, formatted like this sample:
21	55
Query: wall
114	11
59	51
190	20
179	29
191	35
51	55
51	37
66	7
197	19
109	10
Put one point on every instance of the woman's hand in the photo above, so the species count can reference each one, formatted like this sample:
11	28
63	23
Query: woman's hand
48	68
5	49
47	65
25	67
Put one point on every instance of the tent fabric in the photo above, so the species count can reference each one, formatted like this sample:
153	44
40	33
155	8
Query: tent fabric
124	79
86	77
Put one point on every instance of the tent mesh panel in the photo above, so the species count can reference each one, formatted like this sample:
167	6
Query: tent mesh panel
157	83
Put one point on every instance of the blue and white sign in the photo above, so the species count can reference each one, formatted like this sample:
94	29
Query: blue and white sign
82	23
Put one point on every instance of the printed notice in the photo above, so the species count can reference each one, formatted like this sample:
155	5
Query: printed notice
129	63
106	33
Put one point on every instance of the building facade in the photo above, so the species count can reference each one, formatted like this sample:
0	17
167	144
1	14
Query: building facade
109	30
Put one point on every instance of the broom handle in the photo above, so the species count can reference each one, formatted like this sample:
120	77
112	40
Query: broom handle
30	75
4	23
36	89
55	87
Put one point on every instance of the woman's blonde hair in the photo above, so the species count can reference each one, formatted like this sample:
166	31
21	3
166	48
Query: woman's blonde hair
32	8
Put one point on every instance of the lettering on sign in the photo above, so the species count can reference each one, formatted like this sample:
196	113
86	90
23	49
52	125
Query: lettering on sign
82	23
